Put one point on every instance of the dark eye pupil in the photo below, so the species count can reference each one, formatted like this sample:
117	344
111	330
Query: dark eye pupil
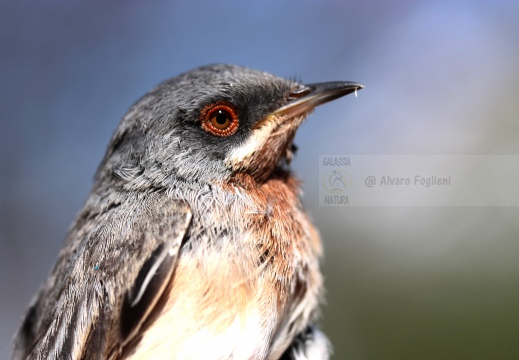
221	117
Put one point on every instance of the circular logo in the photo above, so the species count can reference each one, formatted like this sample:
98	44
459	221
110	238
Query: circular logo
336	181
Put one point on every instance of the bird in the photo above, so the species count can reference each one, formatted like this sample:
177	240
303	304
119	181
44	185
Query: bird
193	242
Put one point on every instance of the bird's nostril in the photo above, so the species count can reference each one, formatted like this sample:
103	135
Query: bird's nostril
299	92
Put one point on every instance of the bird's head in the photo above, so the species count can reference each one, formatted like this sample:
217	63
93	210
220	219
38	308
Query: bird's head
213	124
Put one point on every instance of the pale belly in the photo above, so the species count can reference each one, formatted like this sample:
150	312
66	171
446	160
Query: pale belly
215	311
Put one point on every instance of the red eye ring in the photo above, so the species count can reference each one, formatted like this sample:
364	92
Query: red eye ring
219	119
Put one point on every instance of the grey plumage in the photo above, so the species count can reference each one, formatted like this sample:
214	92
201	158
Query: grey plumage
177	218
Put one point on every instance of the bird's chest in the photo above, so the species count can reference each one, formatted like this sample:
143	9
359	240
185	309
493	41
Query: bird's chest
246	266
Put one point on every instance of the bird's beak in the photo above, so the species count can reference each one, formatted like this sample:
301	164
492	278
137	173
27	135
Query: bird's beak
307	97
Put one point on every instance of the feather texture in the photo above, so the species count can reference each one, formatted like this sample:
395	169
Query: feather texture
77	309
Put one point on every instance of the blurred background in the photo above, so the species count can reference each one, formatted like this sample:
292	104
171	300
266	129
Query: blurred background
442	78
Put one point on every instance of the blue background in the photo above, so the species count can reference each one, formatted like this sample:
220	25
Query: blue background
441	78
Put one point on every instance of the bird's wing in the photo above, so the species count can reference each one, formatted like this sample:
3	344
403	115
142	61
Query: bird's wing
115	265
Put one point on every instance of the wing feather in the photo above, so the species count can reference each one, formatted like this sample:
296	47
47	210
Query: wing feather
115	264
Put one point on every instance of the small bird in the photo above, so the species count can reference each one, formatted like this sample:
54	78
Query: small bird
193	243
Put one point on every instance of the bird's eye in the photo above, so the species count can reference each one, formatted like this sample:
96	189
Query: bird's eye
219	119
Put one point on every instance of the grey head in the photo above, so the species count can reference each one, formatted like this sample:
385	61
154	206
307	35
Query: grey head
212	125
